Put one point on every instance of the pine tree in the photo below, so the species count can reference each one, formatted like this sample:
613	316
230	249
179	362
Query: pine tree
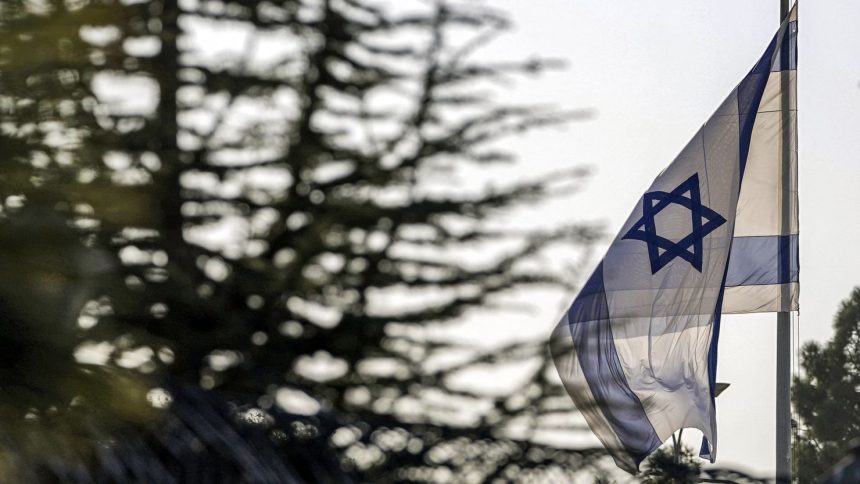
825	395
224	234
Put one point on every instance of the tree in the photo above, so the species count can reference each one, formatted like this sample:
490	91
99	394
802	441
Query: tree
226	232
662	467
825	395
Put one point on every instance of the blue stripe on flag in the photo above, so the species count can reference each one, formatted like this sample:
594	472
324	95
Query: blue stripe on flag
705	450
763	260
591	330
786	58
750	91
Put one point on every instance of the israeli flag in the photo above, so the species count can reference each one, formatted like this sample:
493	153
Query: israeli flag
637	350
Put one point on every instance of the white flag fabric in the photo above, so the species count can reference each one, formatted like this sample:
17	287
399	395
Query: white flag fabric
637	348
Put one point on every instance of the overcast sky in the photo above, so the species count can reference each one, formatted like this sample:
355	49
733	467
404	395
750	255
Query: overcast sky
653	72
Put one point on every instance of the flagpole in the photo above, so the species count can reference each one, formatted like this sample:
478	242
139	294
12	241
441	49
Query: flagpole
783	318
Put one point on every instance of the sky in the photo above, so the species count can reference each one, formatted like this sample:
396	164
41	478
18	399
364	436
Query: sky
652	73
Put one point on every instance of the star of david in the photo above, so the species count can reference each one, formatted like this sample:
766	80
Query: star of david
704	221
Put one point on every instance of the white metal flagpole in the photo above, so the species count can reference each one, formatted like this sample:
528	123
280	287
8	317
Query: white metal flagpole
783	318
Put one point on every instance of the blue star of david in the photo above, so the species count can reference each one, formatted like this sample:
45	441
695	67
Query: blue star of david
689	248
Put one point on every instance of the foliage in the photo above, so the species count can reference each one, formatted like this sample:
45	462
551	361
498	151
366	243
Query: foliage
825	395
661	467
228	224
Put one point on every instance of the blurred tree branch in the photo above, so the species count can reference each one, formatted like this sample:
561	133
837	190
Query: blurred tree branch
258	206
